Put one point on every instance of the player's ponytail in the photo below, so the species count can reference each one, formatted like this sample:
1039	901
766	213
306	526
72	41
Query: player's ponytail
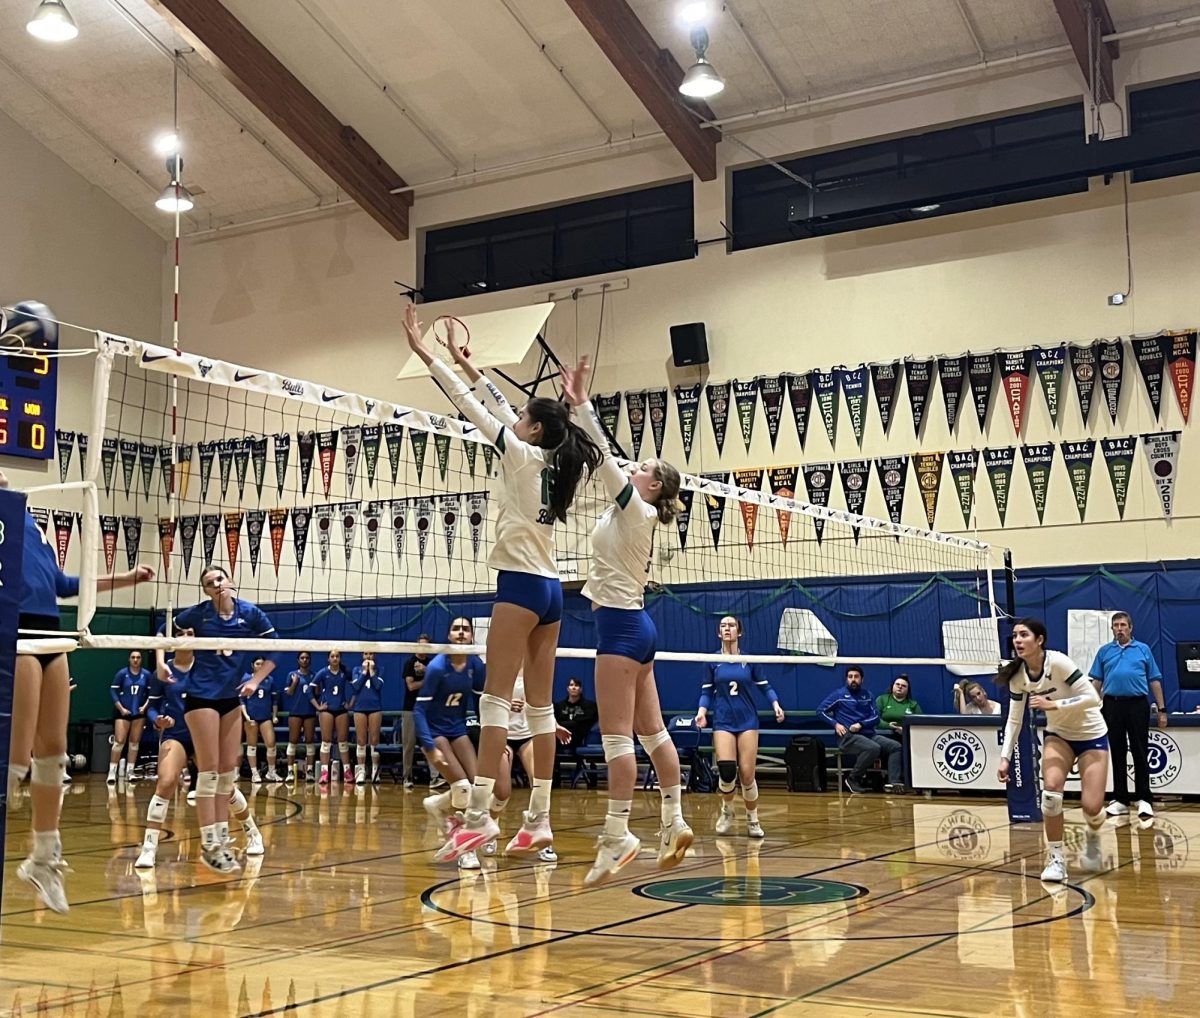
572	452
667	504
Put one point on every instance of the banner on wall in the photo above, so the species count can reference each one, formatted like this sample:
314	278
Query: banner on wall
323	514
1014	380
952	371
108	460
751	480
929	479
715	504
210	527
687	405
884	378
817	481
963	467
132	525
306	446
1162	453
856	476
999	465
783	485
684	519
825	386
1050	363
399	525
608	409
1039	461
422	520
658	417
745	400
1078	457
327	443
241	464
854	387
770	390
372	512
352	446
166	542
477	516
1118	458
1083	370
1110	358
110	526
65	441
233	536
893	477
717	396
129	464
448	508
635	407
1181	362
349	513
301	520
470	451
256	520
64	523
277	521
393	439
419	440
441	452
1150	352
372	435
147	458
981	371
919	376
82	439
800	397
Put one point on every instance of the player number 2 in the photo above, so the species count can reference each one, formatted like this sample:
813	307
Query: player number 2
454	699
733	689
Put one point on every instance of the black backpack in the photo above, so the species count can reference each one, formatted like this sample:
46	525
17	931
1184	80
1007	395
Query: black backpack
805	761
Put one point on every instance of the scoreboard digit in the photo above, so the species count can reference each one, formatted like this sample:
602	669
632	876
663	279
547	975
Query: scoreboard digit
28	405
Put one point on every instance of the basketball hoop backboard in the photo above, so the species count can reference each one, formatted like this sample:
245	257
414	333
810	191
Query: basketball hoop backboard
498	338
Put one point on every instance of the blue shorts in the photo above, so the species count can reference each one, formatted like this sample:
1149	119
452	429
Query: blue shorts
626	632
184	739
458	730
1081	746
736	727
541	595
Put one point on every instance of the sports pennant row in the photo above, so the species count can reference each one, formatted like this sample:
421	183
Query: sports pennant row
687	405
745	400
884	379
770	391
749	480
952	372
918	375
854	387
1015	367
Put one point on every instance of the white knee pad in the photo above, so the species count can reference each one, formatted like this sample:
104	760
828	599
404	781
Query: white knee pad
344	748
291	751
206	784
651	742
237	800
497	805
750	791
493	711
325	747
616	746
226	783
48	770
1052	803
1094	820
541	719
119	747
157	813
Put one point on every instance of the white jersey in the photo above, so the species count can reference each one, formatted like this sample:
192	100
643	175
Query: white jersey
518	721
1077	718
623	536
524	522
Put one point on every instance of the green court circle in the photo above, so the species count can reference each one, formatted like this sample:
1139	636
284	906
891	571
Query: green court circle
744	892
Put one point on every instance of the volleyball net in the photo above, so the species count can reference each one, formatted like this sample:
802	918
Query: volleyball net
359	523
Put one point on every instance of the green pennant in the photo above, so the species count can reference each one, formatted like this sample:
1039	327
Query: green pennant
1078	457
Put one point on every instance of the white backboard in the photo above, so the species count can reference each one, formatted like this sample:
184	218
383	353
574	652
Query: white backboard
498	338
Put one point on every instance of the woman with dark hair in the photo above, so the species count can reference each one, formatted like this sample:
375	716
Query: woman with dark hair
368	718
260	711
331	692
727	693
302	718
544	456
1075	735
626	640
895	705
212	708
129	692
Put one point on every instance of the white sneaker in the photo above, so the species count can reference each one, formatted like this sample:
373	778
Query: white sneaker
1090	860
547	854
1116	809
1055	871
489	848
147	859
46	878
468	861
1144	810
725	821
360	775
219	860
274	777
613	852
255	777
673	843
191	797
254	843
112	776
754	829
534	834
375	776
438	809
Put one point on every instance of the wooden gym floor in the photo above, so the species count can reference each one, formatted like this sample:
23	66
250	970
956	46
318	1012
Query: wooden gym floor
852	906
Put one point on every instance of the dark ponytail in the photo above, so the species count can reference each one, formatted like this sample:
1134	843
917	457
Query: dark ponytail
572	451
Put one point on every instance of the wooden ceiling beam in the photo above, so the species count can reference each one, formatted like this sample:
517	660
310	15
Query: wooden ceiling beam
336	148
1074	15
654	76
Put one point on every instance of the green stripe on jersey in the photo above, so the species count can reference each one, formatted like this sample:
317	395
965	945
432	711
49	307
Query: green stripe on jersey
624	495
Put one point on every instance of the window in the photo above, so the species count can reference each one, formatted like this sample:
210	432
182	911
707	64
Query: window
1166	112
584	238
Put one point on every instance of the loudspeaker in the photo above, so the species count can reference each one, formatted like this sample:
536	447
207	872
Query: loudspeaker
689	344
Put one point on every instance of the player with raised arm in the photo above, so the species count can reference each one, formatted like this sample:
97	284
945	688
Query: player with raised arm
368	718
728	694
543	458
302	718
626	639
1076	734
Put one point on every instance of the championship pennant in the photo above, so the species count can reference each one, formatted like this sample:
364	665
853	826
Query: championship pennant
1162	454
715	504
919	376
749	480
817	481
1015	368
963	467
854	387
783	485
745	400
1078	456
687	405
952	372
1118	459
999	466
929	479
884	379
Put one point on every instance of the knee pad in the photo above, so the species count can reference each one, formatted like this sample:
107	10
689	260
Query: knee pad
497	805
616	746
651	742
291	750
325	747
1094	820
493	711
1052	803
206	784
727	775
48	770
540	719
157	813
237	800
226	783
344	748
119	747
750	791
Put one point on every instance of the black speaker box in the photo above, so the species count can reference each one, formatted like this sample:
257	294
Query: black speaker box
689	344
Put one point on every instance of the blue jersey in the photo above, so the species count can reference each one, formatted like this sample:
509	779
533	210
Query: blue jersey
42	582
332	688
130	690
298	702
169	700
217	674
441	709
728	695
261	703
368	690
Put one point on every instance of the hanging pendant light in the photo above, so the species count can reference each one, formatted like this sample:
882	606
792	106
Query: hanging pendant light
52	22
701	80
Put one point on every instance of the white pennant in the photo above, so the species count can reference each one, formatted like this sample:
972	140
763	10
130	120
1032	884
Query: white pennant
324	515
399	525
478	514
449	506
424	514
1162	453
351	448
349	512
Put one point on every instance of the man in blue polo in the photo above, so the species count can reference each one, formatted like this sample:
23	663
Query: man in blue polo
851	711
1125	674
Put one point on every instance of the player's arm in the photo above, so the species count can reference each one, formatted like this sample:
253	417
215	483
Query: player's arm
421	708
706	695
765	687
502	409
1016	717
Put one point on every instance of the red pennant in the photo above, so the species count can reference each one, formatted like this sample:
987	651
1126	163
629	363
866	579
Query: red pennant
166	541
278	522
1014	375
1181	362
783	485
327	443
233	534
64	523
109	528
751	479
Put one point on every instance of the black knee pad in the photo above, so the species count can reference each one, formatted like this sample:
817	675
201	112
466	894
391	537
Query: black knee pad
727	771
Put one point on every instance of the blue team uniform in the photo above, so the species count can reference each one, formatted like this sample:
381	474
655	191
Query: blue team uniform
332	689
261	703
441	709
216	675
169	699
368	692
130	690
42	582
727	696
298	703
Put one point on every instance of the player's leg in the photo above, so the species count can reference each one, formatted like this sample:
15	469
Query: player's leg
408	742
341	725
27	697
747	759
1118	744
116	765
266	731
310	748
501	793
725	750
1057	758
229	750
172	758
675	836
294	729
360	737
374	733
454	760
239	810
525	755
326	742
251	729
1093	779
136	726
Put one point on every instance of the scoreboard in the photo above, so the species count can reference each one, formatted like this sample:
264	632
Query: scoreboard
28	405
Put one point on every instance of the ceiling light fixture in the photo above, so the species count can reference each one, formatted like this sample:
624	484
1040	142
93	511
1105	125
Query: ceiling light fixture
701	80
167	144
175	199
52	22
694	13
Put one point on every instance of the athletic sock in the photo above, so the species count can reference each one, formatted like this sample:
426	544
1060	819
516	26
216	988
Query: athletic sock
616	820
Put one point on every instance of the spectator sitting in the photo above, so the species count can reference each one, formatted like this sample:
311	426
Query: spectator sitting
971	698
853	714
578	715
895	705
